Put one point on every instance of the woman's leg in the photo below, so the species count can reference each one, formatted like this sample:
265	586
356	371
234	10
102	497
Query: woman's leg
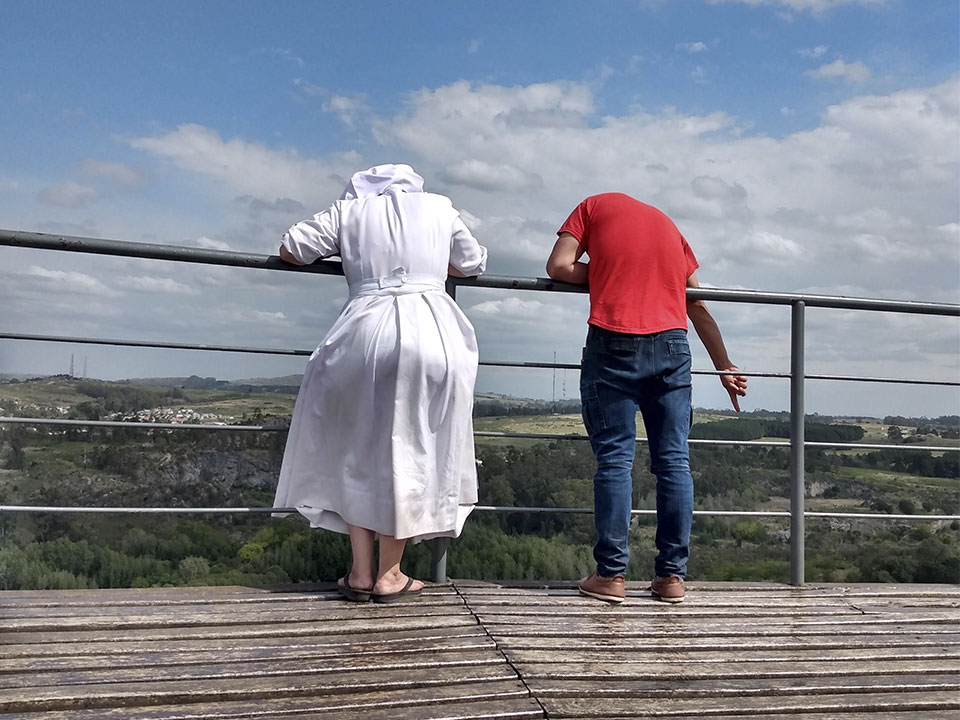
389	577
361	575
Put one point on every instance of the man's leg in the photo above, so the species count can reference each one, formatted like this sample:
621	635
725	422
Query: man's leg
665	404
610	420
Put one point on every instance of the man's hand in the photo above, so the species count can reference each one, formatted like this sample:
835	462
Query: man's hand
735	385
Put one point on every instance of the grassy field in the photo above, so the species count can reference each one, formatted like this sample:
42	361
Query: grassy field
889	480
46	393
236	405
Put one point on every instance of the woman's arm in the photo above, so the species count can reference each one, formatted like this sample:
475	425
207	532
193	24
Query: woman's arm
468	258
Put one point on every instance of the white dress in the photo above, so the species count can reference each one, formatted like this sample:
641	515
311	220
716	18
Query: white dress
382	431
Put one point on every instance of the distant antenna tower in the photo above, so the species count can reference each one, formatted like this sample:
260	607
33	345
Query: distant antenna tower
554	376
84	367
71	364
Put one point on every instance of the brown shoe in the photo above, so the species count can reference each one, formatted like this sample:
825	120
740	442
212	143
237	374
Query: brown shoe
610	589
668	589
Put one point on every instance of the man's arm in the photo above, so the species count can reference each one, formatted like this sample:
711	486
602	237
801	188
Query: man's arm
709	333
563	264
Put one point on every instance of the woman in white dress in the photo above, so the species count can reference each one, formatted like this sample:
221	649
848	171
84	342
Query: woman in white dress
381	441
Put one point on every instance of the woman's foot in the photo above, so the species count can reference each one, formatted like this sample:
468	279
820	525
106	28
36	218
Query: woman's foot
396	582
354	590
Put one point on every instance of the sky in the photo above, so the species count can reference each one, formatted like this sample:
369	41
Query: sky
799	145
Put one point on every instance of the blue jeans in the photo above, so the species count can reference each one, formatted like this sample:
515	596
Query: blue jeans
619	374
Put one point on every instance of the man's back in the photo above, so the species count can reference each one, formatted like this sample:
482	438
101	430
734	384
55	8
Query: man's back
639	264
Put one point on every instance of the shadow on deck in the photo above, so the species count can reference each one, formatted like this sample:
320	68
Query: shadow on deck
472	650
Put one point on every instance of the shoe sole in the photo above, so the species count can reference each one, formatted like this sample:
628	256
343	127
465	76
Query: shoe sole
598	596
661	598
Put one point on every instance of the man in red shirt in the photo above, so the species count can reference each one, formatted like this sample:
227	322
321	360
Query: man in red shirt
637	356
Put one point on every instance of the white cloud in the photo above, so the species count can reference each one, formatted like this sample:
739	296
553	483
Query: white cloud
474	47
814	53
513	311
813	6
61	281
266	317
114	171
242	167
348	108
156	285
211	244
855	72
287	55
482	175
691	47
68	194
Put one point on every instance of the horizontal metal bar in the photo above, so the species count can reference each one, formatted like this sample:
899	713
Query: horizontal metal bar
477	433
898	381
146	510
882	446
154	344
484	508
163	345
575	436
880	516
141	425
70	243
153	251
723	513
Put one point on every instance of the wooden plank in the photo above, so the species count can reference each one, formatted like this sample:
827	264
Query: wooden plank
441	696
141	694
177	656
325	607
731	669
225	595
696	601
624	626
660	610
840	704
241	629
687	656
732	589
732	644
503	709
677	614
847	715
350	641
411	660
742	687
148	617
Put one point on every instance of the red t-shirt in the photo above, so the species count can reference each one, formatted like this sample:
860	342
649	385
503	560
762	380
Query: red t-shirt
639	264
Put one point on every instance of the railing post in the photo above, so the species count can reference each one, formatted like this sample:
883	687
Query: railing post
797	440
438	553
438	546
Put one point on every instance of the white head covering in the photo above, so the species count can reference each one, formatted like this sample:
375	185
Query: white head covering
380	179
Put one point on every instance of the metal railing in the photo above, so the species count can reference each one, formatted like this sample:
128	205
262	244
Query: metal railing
796	443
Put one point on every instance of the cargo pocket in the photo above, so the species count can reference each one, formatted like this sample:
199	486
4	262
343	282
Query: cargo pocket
590	408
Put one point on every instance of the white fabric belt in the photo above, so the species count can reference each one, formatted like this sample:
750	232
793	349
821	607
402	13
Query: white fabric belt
399	283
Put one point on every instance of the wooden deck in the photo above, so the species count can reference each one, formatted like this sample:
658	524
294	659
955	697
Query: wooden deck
472	650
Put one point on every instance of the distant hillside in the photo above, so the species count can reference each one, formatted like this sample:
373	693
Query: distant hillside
288	384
